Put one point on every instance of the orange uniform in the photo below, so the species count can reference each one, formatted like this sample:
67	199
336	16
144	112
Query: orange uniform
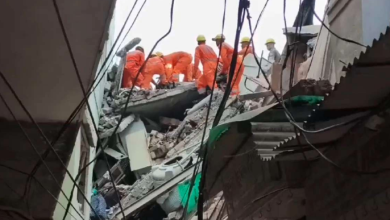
247	50
227	55
153	66
192	75
207	56
238	72
134	61
175	64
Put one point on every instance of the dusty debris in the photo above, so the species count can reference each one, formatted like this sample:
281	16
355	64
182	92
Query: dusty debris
138	190
171	122
177	215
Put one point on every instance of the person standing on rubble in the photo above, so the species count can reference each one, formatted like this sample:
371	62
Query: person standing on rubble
134	61
99	205
154	65
274	55
176	63
227	55
206	55
246	48
190	76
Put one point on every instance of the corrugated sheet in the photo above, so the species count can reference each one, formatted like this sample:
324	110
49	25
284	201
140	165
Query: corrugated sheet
365	85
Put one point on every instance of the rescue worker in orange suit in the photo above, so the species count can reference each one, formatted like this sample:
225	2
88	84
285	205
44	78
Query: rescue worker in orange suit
191	76
207	56
246	48
227	55
154	65
167	70
134	61
175	64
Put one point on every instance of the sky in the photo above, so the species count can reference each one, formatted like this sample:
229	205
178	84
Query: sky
194	17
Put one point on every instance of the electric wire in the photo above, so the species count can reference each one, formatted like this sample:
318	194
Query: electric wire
202	147
303	132
35	148
43	187
243	4
91	89
79	107
88	105
333	33
131	90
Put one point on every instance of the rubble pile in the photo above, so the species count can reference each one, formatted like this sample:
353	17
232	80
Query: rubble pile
130	194
112	109
120	99
123	190
189	132
174	215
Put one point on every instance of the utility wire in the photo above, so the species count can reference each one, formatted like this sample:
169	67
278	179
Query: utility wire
202	146
91	89
243	4
333	33
51	194
85	96
131	90
303	131
35	149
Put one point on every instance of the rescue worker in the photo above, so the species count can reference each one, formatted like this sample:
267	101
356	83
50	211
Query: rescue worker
274	55
206	55
227	55
226	52
134	61
176	63
154	65
192	75
245	47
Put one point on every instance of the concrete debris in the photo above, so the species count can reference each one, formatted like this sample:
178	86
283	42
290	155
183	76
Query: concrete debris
136	191
190	130
171	122
174	215
311	87
107	124
250	105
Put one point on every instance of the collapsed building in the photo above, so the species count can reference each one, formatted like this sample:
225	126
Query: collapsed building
320	153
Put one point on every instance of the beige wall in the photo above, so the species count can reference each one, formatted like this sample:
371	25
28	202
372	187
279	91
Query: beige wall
344	19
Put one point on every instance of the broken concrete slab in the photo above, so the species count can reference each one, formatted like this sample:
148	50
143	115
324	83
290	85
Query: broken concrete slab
171	122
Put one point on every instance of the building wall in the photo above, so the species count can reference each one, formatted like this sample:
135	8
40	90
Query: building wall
95	102
344	19
334	194
376	18
18	153
67	185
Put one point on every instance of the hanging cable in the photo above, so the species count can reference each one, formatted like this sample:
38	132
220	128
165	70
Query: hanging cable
202	146
303	132
88	105
91	89
333	33
43	187
34	147
243	4
131	90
